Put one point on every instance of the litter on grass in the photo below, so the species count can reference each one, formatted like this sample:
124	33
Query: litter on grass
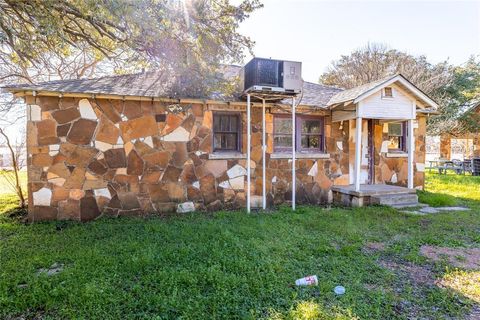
339	290
307	281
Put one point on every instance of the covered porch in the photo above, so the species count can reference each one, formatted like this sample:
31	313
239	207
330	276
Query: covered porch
369	114
368	194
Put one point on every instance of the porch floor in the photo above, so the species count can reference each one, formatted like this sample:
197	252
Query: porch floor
368	190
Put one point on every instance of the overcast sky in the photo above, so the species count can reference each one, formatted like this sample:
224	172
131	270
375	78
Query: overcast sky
317	32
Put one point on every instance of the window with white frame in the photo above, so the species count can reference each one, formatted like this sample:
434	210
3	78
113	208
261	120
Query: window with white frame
387	92
397	136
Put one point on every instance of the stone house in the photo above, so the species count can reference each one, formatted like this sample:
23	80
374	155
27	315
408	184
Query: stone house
119	146
467	131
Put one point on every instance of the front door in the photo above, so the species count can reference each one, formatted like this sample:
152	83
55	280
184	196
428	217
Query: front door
371	155
367	171
368	158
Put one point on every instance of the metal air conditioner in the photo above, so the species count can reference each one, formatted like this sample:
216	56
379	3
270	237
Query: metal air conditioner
276	76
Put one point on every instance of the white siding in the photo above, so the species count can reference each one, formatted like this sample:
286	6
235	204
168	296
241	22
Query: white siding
401	106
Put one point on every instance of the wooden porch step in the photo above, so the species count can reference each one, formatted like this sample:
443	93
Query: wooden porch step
398	200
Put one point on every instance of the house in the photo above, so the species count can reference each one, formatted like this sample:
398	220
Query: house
464	142
119	146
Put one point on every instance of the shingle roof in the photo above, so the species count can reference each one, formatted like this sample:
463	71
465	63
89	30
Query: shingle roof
157	84
138	84
315	94
352	94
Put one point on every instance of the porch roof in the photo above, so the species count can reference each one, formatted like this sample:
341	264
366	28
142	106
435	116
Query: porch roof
357	94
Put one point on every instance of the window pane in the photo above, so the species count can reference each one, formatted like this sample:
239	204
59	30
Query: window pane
394	143
388	92
216	123
217	141
310	142
230	141
224	123
282	125
395	129
233	123
282	141
310	126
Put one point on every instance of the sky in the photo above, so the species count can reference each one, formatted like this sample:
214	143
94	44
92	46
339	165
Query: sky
318	32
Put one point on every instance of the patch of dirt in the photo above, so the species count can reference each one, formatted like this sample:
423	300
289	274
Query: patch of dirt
417	274
419	277
466	258
372	247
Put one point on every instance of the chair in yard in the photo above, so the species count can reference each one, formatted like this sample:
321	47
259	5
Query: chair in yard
444	165
467	166
457	166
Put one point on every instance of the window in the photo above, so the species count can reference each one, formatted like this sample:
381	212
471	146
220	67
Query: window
282	133
309	133
388	92
226	132
397	136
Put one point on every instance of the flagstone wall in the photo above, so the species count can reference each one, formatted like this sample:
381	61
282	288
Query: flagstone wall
94	157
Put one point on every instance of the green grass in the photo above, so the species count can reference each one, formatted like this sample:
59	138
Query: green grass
5	187
234	265
450	190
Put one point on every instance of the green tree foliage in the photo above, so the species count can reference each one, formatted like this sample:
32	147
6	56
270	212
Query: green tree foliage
465	92
187	38
451	87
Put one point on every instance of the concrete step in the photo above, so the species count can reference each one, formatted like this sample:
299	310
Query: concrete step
409	205
395	199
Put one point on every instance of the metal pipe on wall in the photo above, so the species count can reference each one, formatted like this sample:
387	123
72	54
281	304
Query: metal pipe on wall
264	147
358	152
293	155
411	149
249	138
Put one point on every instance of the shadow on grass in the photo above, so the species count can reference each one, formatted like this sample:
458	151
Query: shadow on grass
9	209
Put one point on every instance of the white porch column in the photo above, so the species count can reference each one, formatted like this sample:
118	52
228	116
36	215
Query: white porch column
294	176
264	147
249	138
411	150
358	152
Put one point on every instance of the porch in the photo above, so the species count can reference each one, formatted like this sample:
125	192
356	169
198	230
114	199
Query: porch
367	194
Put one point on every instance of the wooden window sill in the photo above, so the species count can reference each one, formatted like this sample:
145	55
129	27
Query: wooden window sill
298	155
226	155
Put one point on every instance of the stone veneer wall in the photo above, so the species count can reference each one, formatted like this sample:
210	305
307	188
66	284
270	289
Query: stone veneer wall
93	157
88	157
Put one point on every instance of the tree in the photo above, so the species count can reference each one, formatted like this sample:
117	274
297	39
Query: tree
42	40
441	81
185	38
13	180
465	93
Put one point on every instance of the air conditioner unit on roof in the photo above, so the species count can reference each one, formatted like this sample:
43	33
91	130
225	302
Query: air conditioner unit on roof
275	76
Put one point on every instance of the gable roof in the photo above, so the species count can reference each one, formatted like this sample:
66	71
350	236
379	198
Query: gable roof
157	84
361	92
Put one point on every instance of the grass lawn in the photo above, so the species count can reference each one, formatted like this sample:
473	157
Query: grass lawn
234	265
